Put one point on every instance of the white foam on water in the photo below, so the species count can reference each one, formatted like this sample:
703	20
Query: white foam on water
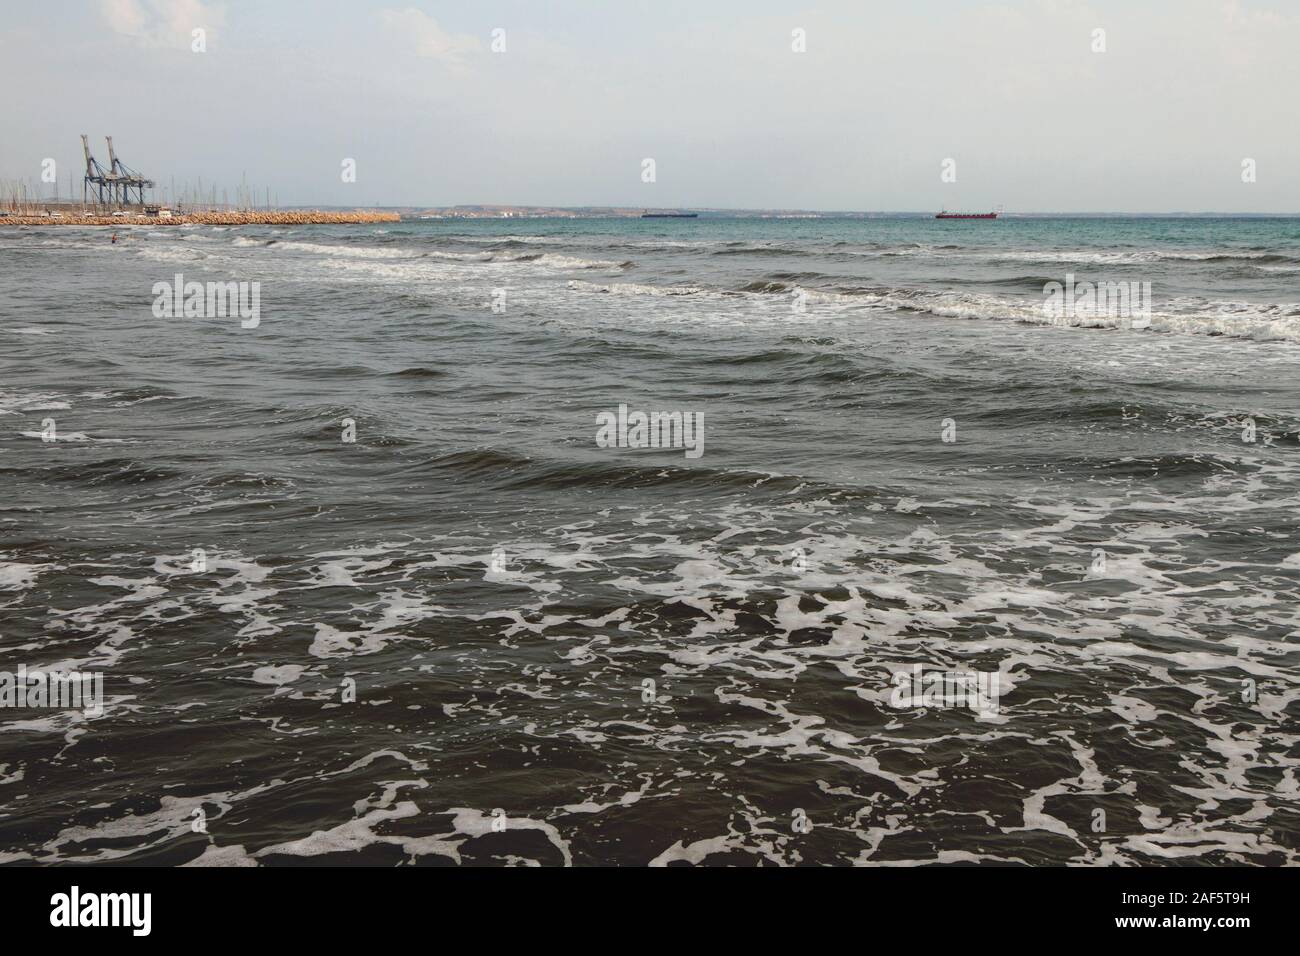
18	576
170	255
631	288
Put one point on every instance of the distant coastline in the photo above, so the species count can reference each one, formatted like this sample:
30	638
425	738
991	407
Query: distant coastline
246	218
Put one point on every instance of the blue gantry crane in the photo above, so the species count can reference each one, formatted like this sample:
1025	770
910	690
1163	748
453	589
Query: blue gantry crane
112	186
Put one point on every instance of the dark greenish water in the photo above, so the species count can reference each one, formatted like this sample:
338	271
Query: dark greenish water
498	588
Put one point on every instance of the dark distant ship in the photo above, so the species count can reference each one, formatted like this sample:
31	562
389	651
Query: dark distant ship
670	215
966	215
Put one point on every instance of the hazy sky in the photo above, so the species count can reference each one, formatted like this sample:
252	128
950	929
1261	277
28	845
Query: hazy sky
712	91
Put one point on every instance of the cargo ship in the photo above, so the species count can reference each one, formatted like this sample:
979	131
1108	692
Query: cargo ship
670	215
966	215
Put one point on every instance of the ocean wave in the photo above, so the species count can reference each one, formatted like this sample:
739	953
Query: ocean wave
1138	257
418	371
751	250
765	286
497	240
556	260
1250	320
574	262
170	255
460	256
1246	320
634	288
507	470
72	437
348	251
1001	254
107	471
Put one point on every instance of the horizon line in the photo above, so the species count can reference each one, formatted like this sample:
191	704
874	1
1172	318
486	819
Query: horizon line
824	212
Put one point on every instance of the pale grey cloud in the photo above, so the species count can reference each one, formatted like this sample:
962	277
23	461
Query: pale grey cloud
427	37
162	23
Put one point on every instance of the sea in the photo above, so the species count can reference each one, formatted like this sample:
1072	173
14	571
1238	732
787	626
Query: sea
418	565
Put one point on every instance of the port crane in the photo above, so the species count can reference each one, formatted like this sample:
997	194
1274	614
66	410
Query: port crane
112	186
